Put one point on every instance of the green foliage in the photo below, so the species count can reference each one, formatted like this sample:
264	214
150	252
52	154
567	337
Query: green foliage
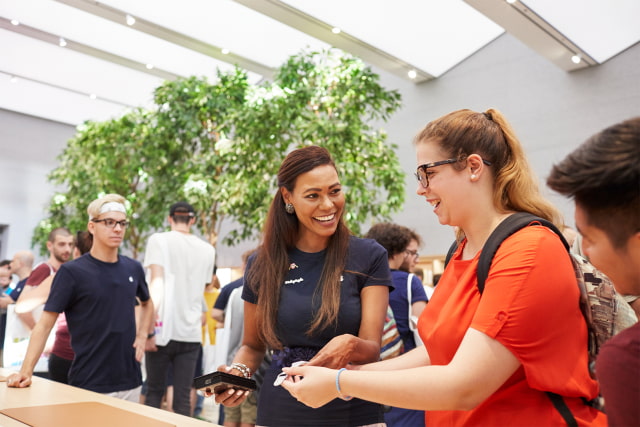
219	146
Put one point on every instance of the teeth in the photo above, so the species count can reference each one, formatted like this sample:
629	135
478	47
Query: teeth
325	218
434	202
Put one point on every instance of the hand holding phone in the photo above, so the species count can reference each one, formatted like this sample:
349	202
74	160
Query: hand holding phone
217	382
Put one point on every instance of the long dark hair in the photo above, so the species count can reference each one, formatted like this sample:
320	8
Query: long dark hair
266	274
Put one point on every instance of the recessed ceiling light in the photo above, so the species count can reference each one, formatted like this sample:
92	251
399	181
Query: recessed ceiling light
412	74
149	66
130	20
13	79
336	30
225	51
93	96
62	42
511	1
576	58
15	22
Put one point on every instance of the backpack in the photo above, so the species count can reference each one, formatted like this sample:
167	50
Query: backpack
392	344
605	312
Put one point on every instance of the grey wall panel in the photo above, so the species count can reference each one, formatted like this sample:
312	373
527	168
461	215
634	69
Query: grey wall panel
28	150
552	112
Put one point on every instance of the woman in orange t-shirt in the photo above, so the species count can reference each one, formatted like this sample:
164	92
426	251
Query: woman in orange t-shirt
488	359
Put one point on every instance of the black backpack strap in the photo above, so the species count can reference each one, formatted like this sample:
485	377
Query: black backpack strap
450	252
505	229
562	407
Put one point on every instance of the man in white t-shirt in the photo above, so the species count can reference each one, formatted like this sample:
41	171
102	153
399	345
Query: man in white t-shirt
180	266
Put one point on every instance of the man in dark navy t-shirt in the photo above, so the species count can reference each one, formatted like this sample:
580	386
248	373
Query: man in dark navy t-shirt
98	293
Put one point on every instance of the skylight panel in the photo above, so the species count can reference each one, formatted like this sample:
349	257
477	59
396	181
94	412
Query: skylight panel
431	35
600	28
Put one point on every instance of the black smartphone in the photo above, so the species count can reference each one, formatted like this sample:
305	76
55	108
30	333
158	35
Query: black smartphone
218	382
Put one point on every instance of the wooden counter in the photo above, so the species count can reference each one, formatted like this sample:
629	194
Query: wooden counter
46	392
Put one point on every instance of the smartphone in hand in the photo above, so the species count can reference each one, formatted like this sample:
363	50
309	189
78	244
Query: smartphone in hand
217	382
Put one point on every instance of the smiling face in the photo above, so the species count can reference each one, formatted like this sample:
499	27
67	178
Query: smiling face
318	201
442	192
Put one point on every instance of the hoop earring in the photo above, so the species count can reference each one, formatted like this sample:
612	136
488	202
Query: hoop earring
289	208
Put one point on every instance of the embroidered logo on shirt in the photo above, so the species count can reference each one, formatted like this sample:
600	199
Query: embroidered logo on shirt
131	279
293	265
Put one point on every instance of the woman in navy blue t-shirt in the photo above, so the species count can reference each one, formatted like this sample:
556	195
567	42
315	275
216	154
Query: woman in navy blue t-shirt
313	292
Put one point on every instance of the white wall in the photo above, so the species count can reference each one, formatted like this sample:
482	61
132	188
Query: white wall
28	150
551	110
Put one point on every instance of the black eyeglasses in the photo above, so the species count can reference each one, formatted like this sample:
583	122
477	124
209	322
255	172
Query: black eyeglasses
414	254
421	172
111	223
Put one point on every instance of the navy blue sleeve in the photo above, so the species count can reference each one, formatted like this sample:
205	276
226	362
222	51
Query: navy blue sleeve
225	293
417	290
143	289
61	293
247	293
370	258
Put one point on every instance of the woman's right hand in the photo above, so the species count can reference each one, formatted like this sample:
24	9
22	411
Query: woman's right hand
229	396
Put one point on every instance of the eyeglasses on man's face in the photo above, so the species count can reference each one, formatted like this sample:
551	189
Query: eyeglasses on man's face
414	254
421	173
111	223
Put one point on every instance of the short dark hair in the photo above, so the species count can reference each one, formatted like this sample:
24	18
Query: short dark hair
59	231
182	212
603	177
393	237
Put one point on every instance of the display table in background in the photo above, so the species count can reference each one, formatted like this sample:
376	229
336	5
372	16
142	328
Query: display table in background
86	404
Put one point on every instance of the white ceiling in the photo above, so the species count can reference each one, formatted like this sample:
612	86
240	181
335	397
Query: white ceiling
106	65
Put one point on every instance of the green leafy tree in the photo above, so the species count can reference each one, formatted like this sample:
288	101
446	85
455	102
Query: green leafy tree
219	146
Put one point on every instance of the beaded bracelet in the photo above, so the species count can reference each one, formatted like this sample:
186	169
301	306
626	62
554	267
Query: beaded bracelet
340	395
244	369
